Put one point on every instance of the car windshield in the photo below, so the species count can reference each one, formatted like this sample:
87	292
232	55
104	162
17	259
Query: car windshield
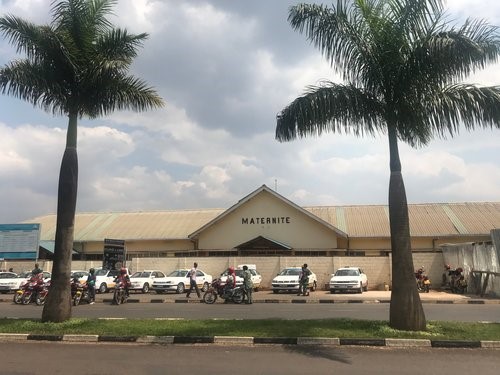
347	273
79	274
290	272
178	273
24	275
141	274
101	272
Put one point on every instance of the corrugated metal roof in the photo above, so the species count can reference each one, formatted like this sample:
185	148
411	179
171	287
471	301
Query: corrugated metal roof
426	220
142	225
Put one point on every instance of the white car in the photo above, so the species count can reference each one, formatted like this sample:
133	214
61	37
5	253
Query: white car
288	280
143	280
177	281
349	278
82	276
256	276
105	279
11	282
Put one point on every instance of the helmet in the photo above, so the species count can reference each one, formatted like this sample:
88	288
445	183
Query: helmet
92	270
123	271
231	269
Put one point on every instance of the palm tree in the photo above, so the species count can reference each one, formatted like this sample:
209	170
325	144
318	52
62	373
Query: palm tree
76	66
402	65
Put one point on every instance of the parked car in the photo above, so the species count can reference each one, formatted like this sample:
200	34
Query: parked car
177	281
14	282
105	279
143	280
256	276
6	281
288	280
81	275
348	278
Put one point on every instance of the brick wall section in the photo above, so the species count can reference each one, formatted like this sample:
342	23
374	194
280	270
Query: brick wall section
377	269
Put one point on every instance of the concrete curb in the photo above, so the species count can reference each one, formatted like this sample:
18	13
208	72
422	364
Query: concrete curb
236	340
311	301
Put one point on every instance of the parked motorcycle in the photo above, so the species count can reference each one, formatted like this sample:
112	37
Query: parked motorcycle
35	290
454	279
120	294
458	284
217	289
423	281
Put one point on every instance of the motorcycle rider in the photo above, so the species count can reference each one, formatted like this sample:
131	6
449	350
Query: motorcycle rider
125	279
91	280
37	271
230	282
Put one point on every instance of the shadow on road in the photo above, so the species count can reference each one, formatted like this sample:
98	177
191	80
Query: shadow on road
319	351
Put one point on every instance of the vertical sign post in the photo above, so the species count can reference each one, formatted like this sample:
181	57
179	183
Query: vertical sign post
114	254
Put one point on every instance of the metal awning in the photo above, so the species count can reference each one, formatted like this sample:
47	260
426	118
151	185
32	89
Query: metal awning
261	242
49	246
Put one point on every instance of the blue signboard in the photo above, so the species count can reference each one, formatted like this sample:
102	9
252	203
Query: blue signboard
19	241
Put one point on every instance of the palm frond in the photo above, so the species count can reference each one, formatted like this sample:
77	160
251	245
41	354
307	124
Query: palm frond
468	104
329	108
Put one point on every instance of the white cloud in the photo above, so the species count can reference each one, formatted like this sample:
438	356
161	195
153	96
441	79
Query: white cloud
225	69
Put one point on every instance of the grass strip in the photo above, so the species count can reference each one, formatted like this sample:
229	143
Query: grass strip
338	328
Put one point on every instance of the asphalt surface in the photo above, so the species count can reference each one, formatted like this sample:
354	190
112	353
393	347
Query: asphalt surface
319	296
48	358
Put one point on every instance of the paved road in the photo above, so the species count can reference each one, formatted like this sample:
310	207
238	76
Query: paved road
377	311
75	359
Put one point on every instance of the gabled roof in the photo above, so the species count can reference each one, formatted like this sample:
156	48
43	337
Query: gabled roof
256	192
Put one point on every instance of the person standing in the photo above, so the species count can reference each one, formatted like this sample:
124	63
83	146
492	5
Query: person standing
248	284
192	281
304	280
91	280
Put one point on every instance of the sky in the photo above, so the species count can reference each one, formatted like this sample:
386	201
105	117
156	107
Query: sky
225	69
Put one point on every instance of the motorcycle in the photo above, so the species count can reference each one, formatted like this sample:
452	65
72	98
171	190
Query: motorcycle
217	289
423	281
35	290
79	292
458	284
120	294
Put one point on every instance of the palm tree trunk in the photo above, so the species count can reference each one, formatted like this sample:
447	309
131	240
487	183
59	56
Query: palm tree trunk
57	306
406	312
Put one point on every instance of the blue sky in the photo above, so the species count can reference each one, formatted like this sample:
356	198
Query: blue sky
225	69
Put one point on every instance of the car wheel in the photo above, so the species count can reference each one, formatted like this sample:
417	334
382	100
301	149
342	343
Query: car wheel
366	287
3	292
180	288
360	288
205	287
103	288
275	291
145	288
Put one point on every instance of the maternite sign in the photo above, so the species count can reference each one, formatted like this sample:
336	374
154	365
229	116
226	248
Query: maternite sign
114	254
